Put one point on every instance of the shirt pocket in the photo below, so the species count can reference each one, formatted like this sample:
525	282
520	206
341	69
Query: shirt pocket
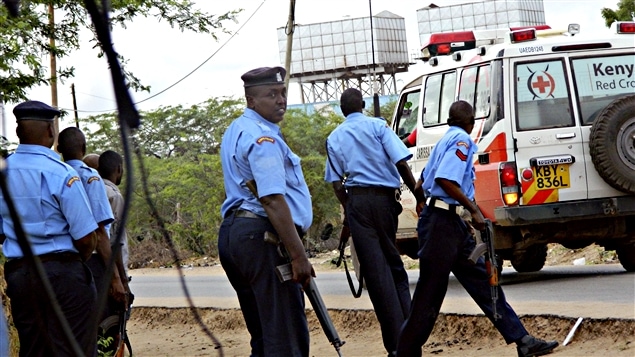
293	169
32	219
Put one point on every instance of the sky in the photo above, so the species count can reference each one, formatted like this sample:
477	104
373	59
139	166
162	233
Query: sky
162	56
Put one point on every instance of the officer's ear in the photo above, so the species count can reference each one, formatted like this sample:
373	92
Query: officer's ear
51	129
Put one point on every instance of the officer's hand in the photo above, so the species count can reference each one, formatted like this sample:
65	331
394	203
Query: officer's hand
478	221
419	207
302	270
118	292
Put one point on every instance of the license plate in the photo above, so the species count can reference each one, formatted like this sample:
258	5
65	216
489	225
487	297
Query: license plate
551	177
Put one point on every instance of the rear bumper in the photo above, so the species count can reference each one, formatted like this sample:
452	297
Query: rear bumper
561	212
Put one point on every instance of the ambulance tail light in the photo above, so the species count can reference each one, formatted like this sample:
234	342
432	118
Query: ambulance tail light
523	35
510	188
625	27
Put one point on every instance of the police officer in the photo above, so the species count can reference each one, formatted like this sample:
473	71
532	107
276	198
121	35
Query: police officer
110	167
372	158
445	243
72	146
57	219
254	151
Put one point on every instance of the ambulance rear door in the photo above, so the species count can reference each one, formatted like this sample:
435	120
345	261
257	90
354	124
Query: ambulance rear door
548	138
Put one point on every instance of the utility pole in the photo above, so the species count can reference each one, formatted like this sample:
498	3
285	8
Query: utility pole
53	69
377	112
74	105
289	31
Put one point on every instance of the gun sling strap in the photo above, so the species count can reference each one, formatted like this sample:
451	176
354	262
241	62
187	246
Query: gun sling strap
344	238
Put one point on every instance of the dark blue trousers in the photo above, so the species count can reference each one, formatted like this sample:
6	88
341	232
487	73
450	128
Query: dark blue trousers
98	269
372	220
39	331
274	312
445	243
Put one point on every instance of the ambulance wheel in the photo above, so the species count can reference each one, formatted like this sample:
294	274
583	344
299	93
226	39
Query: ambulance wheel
109	327
626	254
612	144
530	259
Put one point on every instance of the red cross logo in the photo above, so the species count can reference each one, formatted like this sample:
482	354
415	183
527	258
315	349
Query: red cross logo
541	84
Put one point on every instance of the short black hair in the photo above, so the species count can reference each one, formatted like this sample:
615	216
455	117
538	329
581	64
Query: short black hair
461	114
351	101
70	140
108	162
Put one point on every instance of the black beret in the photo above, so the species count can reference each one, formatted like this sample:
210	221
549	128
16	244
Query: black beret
34	110
263	76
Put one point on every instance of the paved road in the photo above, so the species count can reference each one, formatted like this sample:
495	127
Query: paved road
594	291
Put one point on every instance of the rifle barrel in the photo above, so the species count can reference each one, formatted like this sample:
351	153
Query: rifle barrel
323	316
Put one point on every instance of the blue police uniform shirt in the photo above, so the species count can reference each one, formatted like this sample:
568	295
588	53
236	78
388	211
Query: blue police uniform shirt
366	150
253	148
95	191
50	199
451	159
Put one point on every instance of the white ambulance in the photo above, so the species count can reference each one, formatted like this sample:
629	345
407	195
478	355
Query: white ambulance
555	129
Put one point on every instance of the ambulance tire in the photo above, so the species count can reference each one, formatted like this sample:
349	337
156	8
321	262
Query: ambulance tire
109	327
626	254
612	144
530	259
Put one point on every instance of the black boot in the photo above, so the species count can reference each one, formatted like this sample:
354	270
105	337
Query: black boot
530	346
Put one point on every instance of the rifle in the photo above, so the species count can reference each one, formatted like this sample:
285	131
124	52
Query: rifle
285	273
491	264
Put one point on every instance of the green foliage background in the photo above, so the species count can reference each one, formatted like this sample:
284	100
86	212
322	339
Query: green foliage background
180	149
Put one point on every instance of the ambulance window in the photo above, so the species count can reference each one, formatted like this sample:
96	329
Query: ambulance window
439	95
407	113
431	100
448	97
467	87
601	80
482	104
474	88
542	96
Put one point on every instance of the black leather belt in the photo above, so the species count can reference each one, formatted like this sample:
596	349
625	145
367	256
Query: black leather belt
372	191
14	264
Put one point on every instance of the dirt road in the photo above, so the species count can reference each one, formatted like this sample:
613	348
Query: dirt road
174	332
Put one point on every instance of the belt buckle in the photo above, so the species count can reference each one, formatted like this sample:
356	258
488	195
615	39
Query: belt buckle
397	195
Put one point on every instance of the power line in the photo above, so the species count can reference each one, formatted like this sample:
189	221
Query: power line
187	75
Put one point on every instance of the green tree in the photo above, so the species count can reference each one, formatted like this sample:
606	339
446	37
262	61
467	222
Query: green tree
24	40
386	111
184	178
184	175
306	135
625	12
169	131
